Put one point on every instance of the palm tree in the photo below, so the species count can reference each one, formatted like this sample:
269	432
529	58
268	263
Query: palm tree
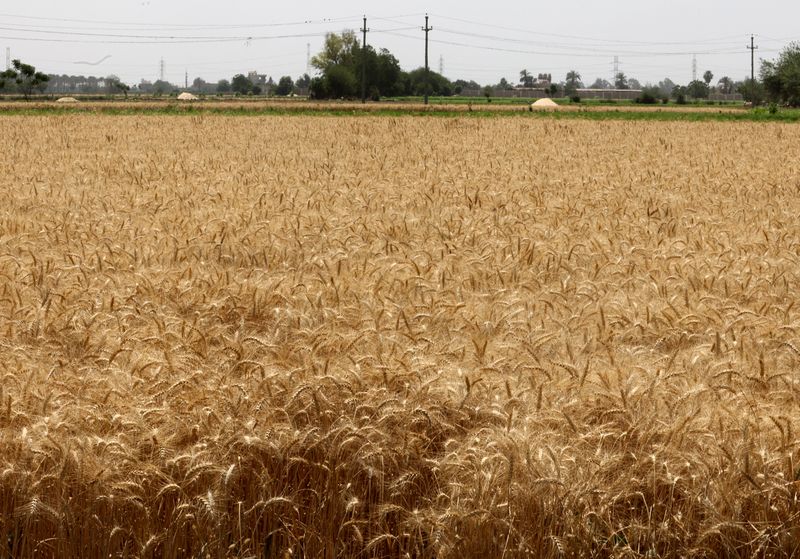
725	85
573	79
525	78
708	76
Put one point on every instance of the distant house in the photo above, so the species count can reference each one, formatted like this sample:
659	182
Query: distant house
256	78
543	81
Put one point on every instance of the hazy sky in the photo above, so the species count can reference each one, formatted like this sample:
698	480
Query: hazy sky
483	41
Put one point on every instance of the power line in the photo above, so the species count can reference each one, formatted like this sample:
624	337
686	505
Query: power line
584	47
566	54
584	38
318	21
164	41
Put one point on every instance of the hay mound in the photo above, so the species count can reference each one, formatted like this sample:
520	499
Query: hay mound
66	100
544	104
186	96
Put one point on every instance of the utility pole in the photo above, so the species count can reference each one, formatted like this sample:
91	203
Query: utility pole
364	63
427	29
752	48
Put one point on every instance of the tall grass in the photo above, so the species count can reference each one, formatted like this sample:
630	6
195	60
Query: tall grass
397	338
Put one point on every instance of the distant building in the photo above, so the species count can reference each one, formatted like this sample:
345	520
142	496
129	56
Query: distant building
256	78
543	81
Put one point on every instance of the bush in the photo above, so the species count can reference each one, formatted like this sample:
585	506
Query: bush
680	99
575	98
318	88
648	96
374	93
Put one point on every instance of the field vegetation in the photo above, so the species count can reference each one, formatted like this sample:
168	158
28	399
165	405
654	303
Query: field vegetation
476	109
398	337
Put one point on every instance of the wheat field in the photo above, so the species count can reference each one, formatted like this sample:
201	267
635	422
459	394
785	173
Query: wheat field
398	337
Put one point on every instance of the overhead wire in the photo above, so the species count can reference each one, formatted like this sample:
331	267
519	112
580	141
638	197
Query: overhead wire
51	30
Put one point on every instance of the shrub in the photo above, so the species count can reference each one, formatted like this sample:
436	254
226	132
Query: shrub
648	96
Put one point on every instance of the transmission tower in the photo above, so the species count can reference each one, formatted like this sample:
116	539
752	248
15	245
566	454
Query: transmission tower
441	65
694	67
616	70
308	58
162	70
8	58
186	80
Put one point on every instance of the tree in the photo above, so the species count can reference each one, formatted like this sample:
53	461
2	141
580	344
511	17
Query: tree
504	85
525	78
573	82
318	88
241	84
649	95
199	85
337	51
223	86
621	81
303	81
633	83
285	86
679	94
161	86
24	77
752	91
487	92
707	77
436	84
114	85
697	90
600	83
465	84
341	82
341	61
781	78
725	85
388	77
665	87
